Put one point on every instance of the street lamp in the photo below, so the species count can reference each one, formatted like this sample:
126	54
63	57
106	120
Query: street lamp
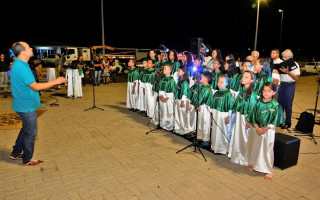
280	11
257	24
102	26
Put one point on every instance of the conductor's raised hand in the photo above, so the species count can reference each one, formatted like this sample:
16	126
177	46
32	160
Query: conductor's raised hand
60	80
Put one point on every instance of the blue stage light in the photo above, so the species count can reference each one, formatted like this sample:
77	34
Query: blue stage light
194	68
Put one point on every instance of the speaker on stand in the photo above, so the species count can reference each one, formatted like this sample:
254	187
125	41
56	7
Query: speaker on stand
195	45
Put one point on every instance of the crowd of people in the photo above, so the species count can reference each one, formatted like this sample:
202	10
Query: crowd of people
100	71
231	107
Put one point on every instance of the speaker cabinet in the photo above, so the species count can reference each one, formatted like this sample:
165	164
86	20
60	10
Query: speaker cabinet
195	45
286	150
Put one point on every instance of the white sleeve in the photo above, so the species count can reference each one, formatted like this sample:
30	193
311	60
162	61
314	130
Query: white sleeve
271	126
184	98
162	93
276	76
296	71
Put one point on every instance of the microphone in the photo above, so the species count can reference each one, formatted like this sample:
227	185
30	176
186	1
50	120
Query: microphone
205	48
165	49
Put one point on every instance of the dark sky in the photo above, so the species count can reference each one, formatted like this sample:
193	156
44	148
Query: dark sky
227	25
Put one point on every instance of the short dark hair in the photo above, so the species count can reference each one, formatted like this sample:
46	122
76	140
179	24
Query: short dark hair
133	60
220	61
17	47
59	55
208	75
276	50
169	65
149	59
246	60
261	60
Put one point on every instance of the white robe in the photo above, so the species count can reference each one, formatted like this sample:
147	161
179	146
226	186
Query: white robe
51	74
166	111
234	93
138	95
219	139
204	123
191	119
175	77
74	83
132	98
142	98
155	117
260	150
239	140
150	101
180	116
191	82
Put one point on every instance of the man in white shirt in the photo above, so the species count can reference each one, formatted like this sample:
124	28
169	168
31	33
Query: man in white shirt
289	74
275	56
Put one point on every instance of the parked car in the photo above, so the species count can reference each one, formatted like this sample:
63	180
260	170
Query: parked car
311	67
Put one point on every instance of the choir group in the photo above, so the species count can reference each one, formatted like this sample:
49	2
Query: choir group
235	111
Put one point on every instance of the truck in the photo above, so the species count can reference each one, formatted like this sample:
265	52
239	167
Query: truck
71	53
121	54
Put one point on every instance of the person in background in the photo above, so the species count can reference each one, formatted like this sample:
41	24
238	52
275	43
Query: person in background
289	74
173	60
261	78
216	54
275	56
105	71
97	70
10	67
59	67
118	66
180	55
255	55
51	73
4	67
113	69
74	75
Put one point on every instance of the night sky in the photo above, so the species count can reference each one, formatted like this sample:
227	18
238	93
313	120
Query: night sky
227	25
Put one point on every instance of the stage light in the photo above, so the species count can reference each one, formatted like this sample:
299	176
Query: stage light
194	68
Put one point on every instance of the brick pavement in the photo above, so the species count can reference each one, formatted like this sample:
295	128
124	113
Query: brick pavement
106	155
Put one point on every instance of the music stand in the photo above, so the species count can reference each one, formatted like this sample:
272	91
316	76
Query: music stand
195	142
94	99
315	108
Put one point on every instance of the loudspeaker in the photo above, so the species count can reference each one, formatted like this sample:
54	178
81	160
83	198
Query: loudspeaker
195	45
286	150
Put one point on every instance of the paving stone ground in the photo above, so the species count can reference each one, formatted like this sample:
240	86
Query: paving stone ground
106	155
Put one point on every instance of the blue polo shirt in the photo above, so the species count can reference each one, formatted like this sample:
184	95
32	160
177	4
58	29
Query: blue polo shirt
25	99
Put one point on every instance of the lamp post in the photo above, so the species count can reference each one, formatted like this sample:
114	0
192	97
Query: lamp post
280	11
102	26
257	24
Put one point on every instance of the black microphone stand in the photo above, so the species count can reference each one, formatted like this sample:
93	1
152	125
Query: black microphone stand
195	142
94	98
315	108
157	77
